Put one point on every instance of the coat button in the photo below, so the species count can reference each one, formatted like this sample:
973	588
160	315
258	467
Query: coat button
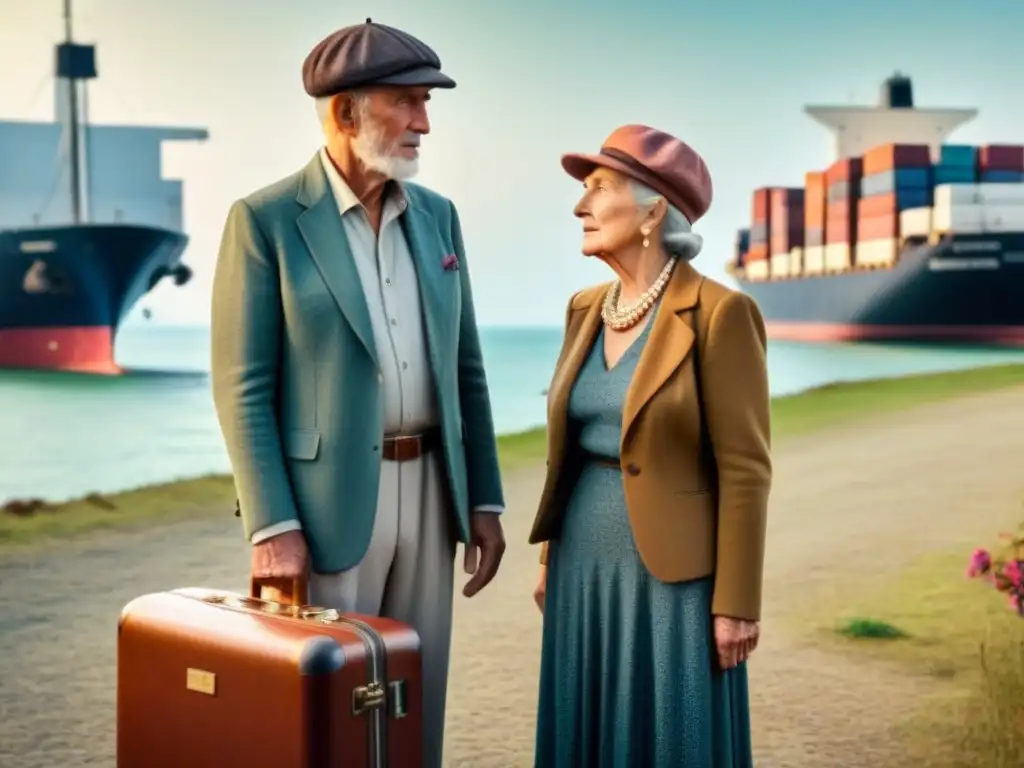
633	469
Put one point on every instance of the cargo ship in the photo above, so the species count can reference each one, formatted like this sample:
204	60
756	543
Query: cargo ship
904	237
88	225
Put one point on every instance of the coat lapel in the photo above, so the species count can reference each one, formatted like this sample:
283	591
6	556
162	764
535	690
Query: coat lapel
427	255
324	235
668	344
580	337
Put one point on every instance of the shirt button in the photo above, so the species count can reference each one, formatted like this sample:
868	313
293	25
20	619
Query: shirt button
387	281
405	366
633	469
394	322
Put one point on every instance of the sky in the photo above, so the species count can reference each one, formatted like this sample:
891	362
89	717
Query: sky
535	79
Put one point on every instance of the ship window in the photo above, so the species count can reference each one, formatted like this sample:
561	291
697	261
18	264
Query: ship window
43	278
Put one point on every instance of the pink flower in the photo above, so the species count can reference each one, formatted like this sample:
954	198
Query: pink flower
981	562
450	262
1014	574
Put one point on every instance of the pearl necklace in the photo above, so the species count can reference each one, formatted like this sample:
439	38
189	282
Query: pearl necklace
623	318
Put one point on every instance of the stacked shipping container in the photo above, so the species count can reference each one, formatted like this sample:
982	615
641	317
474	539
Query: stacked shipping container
815	203
896	177
786	227
843	179
859	211
1000	163
756	263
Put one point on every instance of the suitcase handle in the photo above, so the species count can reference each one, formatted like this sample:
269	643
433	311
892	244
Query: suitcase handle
293	591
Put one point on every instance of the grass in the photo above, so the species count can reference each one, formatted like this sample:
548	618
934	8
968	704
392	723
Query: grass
959	632
793	415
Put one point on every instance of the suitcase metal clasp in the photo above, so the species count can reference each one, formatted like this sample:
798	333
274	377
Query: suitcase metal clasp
366	698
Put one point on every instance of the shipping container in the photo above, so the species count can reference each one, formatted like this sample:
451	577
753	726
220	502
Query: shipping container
786	197
958	217
760	205
814	260
888	156
956	155
815	197
881	252
1006	177
759	232
843	190
1001	157
757	270
757	252
796	262
1003	218
841	229
785	240
814	235
742	245
842	209
837	257
878	227
954	174
847	169
780	265
876	205
898	178
989	192
916	222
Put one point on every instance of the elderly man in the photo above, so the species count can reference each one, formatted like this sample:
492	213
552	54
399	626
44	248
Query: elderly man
347	371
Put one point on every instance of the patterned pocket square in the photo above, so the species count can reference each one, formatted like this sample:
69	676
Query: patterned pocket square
450	262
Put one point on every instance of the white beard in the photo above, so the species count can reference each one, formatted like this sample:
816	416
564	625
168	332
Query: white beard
371	150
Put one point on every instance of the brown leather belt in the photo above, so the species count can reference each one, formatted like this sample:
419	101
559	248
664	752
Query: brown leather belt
409	447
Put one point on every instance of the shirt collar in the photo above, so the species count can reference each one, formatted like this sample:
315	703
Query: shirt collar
346	198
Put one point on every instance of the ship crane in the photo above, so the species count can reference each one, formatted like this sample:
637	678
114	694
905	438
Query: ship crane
895	120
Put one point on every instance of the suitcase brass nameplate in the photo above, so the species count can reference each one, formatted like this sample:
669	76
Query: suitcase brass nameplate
201	681
367	697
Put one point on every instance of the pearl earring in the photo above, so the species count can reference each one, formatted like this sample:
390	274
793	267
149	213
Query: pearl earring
647	241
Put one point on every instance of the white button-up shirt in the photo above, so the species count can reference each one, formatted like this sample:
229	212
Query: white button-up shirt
390	284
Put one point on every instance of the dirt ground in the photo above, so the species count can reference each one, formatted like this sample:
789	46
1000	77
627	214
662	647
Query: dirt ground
860	500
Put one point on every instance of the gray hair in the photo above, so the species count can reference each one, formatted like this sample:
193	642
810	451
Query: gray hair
677	235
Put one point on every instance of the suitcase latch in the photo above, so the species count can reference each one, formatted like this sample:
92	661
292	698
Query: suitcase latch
367	697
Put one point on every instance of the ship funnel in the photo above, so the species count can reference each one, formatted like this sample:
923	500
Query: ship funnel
895	119
897	92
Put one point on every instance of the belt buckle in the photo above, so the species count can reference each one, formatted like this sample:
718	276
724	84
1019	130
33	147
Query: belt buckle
407	447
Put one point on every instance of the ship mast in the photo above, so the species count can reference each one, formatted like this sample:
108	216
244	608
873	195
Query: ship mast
75	64
894	120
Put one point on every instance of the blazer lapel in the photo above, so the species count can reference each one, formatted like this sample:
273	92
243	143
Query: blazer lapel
324	235
580	337
427	255
668	344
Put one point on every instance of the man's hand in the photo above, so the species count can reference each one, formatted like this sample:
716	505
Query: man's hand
284	556
735	640
487	540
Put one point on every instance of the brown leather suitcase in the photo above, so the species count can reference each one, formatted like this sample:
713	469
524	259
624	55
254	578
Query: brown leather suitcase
214	679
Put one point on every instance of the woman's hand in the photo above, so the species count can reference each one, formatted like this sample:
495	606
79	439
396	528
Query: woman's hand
541	589
735	640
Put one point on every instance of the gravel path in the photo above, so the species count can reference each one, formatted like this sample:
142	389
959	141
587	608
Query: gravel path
862	500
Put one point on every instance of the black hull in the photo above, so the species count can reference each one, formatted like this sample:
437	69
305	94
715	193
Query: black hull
64	291
967	288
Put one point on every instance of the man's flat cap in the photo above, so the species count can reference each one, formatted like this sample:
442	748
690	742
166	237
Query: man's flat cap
370	54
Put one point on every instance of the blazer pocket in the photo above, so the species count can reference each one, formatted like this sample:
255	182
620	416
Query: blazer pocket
302	444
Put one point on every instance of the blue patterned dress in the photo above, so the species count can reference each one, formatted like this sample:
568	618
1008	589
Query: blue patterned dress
628	676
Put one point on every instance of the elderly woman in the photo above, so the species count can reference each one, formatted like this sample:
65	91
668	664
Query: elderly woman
653	512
